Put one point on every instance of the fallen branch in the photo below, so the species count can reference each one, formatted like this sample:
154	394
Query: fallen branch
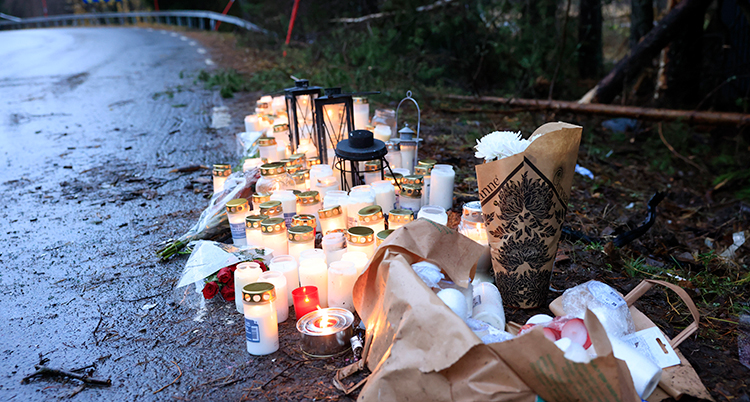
674	151
642	113
51	372
374	16
173	381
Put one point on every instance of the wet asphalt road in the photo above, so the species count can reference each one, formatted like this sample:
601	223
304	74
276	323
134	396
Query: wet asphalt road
91	122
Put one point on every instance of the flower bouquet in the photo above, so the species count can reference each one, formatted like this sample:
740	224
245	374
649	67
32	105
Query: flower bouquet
524	187
222	282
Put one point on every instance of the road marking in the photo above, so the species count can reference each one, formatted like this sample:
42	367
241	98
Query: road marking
173	34
209	62
201	50
183	38
193	43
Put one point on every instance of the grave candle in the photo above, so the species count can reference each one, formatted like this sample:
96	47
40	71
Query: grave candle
358	200
360	238
237	210
395	179
399	217
267	149
278	280
372	217
381	236
271	209
441	186
334	246
434	213
410	198
305	220
274	235
251	123
358	258
308	203
288	204
488	305
261	325
306	299
385	195
301	238
287	266
253	232
220	173
259	198
251	163
372	171
314	272
341	278
361	113
324	185
331	219
245	274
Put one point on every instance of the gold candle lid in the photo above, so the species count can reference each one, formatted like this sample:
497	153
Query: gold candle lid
423	170
381	236
372	166
313	161
266	141
292	169
308	197
299	234
258	292
298	177
411	190
287	162
339	230
371	214
358	100
413	179
253	221
304	220
360	235
331	212
270	169
271	208
259	198
221	169
273	226
394	178
400	216
298	159
280	127
237	205
427	162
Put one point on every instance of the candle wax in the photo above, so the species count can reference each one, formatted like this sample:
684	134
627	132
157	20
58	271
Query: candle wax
287	266
278	280
314	272
306	299
341	278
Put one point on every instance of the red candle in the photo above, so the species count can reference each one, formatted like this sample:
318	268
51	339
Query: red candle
305	300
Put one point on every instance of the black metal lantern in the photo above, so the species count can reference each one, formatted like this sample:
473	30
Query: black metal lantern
359	147
334	118
300	107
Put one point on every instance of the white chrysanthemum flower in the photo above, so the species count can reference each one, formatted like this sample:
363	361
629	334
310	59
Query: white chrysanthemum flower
499	145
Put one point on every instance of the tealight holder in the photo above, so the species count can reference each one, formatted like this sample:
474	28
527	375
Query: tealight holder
326	332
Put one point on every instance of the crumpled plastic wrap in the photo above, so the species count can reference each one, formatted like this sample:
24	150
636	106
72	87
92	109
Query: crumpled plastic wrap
429	273
209	256
610	308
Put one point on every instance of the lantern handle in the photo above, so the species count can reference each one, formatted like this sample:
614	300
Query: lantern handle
419	121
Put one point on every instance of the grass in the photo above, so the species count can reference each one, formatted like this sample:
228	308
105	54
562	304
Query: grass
228	82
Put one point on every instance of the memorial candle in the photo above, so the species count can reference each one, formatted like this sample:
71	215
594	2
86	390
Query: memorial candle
399	217
252	230
324	184
301	238
441	186
306	299
237	210
287	266
314	272
274	236
259	198
372	217
361	113
358	258
341	278
288	204
261	325
245	274
334	246
220	173
278	280
308	203
331	219
267	149
360	238
385	195
251	123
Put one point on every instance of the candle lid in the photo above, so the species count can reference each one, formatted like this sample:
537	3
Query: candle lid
313	161
273	225
292	169
331	212
299	234
397	176
280	127
222	170
258	293
303	220
413	179
298	177
270	169
360	235
259	198
237	205
423	170
372	166
383	234
287	162
400	216
266	141
298	159
427	162
360	100
270	208
411	190
253	221
371	214
472	211
308	197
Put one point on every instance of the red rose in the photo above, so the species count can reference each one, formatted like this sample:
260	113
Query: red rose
225	275
210	290
262	265
233	267
227	291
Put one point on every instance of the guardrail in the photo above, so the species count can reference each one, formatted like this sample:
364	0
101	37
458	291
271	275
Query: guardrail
189	18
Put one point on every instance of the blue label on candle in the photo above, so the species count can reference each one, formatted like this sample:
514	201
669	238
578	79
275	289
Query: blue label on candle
238	230
288	219
252	331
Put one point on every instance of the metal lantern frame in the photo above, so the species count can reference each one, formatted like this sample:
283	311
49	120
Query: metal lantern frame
353	172
399	140
326	128
293	95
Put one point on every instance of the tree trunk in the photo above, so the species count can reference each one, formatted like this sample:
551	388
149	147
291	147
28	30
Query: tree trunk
590	59
641	20
684	62
669	27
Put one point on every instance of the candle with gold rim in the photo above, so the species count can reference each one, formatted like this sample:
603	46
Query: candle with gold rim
261	321
424	168
259	198
372	217
410	197
271	209
395	179
301	238
361	238
288	204
331	219
381	236
416	180
275	235
252	230
399	217
308	203
373	171
220	173
267	149
237	210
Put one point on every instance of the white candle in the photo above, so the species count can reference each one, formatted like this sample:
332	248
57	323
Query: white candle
258	199
308	203
251	163
334	246
331	219
358	258
341	278
314	272
251	123
361	113
267	149
237	210
278	104
358	199
274	236
372	217
313	253
399	217
408	154
393	156
340	198
410	198
434	213
441	186
287	266
385	195
301	238
488	305
220	174
382	132
261	325
246	273
360	238
288	204
318	171
324	184
278	280
252	230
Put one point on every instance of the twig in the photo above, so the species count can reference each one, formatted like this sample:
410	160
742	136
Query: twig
173	381
281	372
147	297
47	371
98	324
77	390
674	151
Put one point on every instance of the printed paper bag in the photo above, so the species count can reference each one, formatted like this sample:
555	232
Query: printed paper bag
524	200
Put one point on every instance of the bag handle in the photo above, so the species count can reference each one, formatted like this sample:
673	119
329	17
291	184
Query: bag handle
344	372
646	284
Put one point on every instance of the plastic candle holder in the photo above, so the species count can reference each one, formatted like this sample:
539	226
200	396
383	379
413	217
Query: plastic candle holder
361	238
278	280
288	204
267	149
220	173
358	258
245	274
301	238
287	266
385	195
434	213
314	272
372	217
441	186
305	299
274	235
331	219
313	253
410	197
252	230
259	198
237	210
399	217
261	325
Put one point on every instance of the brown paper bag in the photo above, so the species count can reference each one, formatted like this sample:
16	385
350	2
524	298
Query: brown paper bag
418	349
524	200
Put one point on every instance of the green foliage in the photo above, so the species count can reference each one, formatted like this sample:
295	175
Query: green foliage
228	82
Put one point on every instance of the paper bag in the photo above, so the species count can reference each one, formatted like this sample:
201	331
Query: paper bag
418	349
524	200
